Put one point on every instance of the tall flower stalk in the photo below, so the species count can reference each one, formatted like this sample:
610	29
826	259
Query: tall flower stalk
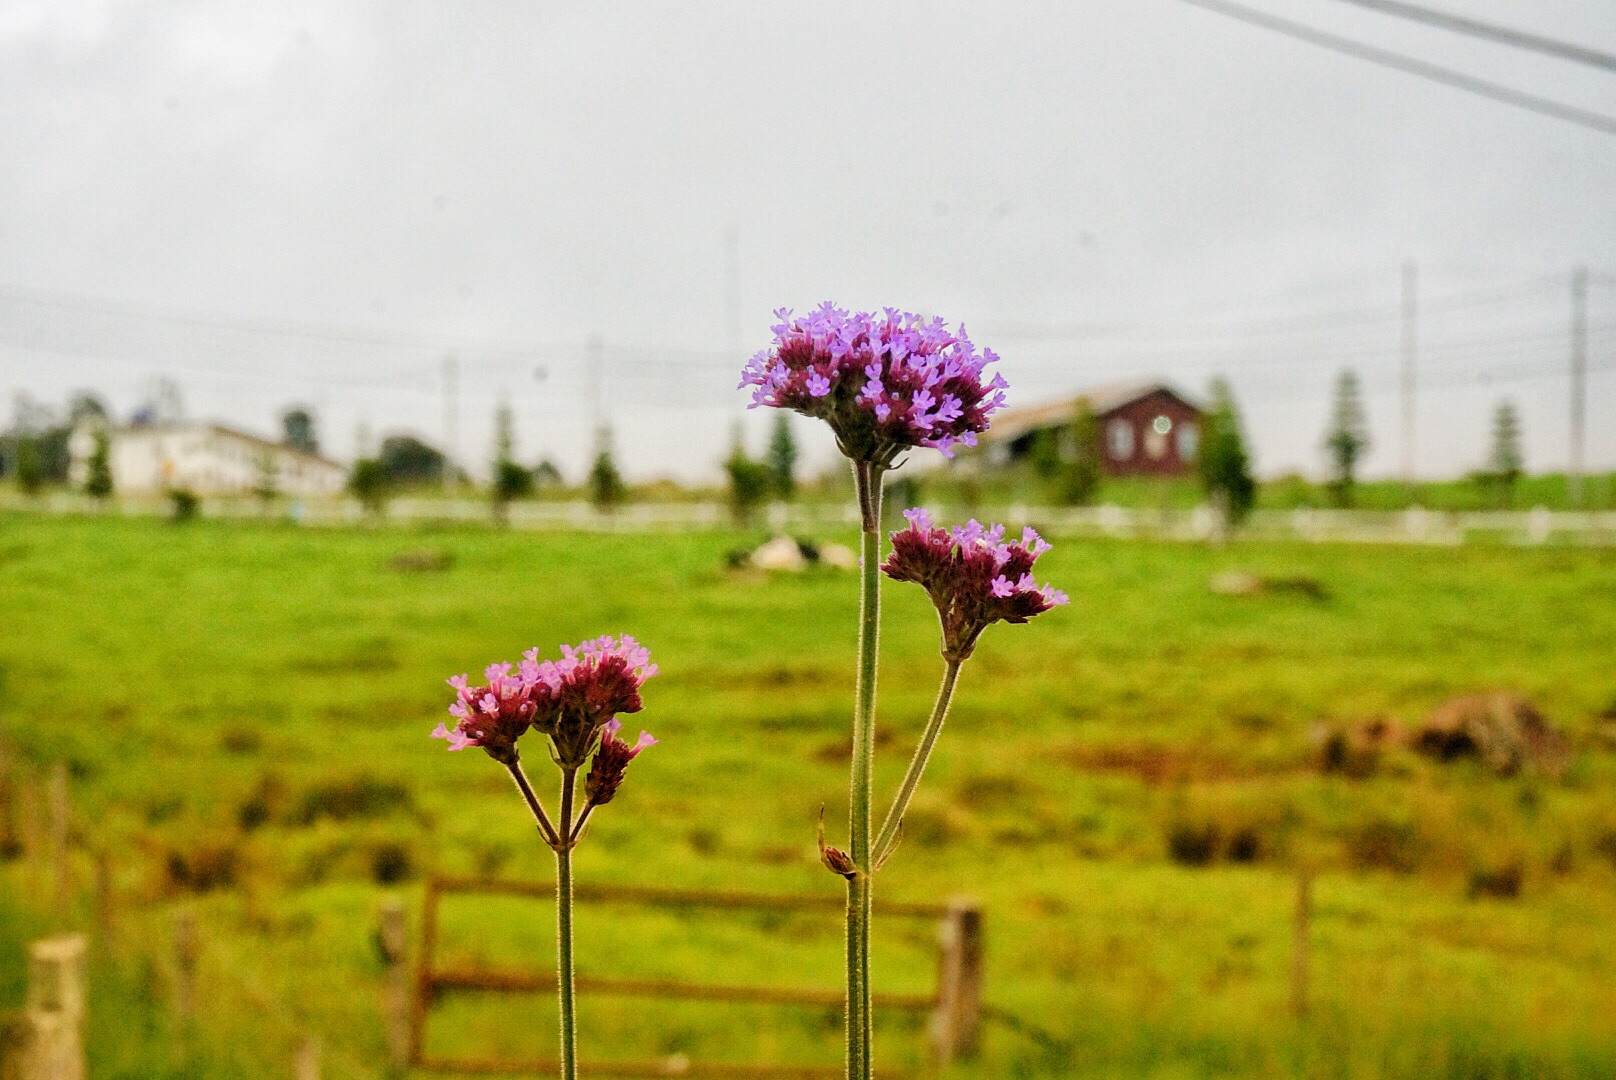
885	383
574	703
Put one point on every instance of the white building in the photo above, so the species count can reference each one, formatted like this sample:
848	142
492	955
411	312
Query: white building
208	459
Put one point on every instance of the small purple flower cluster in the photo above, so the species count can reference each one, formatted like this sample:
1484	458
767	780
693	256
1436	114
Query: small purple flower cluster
571	700
974	577
611	762
884	382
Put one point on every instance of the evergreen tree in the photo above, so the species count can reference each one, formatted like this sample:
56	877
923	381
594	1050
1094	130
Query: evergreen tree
30	477
98	466
297	430
1506	463
783	456
1347	440
750	482
1080	471
1221	459
510	480
369	483
607	490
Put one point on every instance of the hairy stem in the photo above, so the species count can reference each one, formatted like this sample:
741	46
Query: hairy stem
564	974
888	837
867	479
546	829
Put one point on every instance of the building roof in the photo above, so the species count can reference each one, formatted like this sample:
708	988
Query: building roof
246	436
1012	424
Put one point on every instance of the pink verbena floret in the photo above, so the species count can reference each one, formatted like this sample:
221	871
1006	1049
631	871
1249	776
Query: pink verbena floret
579	694
974	577
492	716
611	762
883	381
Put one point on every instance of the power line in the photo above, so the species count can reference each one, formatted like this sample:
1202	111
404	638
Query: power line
1475	28
1434	72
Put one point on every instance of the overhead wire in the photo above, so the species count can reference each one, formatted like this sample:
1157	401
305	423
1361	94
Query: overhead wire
1424	69
1489	31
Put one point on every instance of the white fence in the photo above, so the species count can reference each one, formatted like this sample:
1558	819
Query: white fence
1412	526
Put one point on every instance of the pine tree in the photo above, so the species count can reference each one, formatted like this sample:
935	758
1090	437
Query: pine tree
1221	460
1080	471
510	480
783	456
98	467
1506	463
750	482
1347	440
297	430
606	487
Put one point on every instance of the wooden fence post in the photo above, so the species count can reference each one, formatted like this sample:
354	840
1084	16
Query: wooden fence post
1300	940
62	885
306	1059
393	937
55	1009
186	949
421	999
105	928
10	839
955	1023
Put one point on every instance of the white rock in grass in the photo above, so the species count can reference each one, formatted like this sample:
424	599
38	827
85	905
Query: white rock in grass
781	553
838	557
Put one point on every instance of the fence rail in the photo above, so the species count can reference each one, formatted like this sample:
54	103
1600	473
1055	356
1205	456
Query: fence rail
1412	526
954	1006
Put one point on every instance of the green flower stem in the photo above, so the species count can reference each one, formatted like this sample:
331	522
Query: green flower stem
888	838
867	479
564	974
546	829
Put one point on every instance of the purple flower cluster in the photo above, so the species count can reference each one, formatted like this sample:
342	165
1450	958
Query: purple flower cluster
884	382
611	762
492	716
571	700
974	577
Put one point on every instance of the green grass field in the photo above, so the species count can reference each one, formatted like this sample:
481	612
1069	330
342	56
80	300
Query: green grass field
245	710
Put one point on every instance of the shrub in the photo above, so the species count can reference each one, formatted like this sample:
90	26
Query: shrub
391	863
203	865
347	798
183	504
1380	844
1502	882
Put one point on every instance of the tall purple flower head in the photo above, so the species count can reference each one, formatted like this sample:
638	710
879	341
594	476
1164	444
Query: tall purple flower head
578	695
883	381
972	574
492	716
611	762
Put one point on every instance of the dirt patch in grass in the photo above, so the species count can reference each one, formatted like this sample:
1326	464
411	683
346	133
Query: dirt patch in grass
1157	764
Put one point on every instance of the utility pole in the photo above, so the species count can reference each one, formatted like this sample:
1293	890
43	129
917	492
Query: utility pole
1410	351
451	420
595	351
732	286
1579	379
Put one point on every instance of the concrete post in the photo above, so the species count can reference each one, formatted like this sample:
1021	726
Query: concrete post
393	937
55	1009
958	1016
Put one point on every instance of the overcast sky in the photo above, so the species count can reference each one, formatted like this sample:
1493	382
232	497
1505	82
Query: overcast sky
282	203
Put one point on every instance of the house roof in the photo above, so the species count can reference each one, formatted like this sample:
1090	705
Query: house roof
1012	424
245	436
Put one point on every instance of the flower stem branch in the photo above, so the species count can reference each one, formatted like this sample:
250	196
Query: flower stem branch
564	973
867	478
888	837
546	829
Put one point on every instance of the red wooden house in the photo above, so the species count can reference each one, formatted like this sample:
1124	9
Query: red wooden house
1146	428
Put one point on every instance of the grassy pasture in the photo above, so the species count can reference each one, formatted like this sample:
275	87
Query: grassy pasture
245	708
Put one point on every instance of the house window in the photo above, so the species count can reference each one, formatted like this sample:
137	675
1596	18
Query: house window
1119	439
1189	440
